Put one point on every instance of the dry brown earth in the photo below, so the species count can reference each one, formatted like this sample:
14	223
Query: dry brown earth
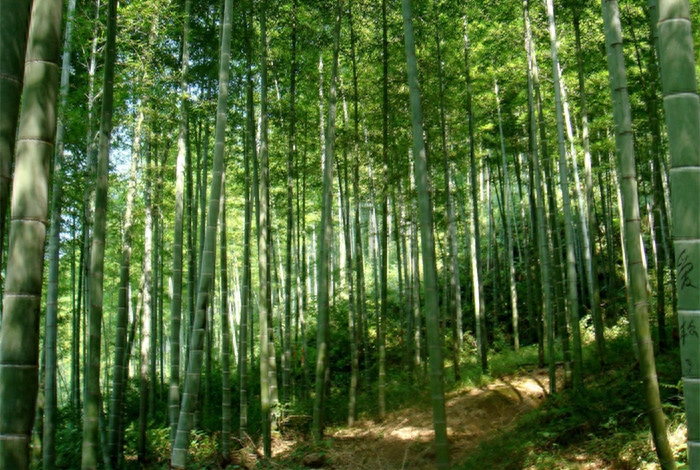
404	439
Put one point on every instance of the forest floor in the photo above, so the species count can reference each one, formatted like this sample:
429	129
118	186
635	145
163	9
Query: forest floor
505	420
404	439
508	421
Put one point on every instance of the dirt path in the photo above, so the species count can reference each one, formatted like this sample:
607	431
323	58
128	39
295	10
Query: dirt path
404	439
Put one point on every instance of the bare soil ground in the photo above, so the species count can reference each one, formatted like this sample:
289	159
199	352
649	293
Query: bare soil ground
404	439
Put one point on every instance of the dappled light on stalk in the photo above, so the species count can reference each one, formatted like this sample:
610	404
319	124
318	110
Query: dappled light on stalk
19	335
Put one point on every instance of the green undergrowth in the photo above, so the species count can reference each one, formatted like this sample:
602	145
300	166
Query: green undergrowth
601	427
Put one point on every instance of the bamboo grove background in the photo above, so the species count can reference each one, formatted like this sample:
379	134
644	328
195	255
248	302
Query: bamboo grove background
308	199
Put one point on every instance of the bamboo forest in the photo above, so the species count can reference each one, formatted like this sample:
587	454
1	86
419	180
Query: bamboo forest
349	234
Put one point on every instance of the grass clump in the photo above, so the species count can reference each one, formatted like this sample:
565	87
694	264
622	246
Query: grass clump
602	426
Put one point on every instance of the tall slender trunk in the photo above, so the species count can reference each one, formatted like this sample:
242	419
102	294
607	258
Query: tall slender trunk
263	247
381	330
75	337
225	330
373	245
272	294
633	242
590	215
403	276
246	305
51	329
587	271
554	237
358	331
299	388
362	339
160	247
345	217
191	211
660	217
425	213
301	232
416	299
176	303
145	380
156	293
286	377
93	407
245	295
509	227
200	211
206	271
355	317
454	289
325	244
120	365
541	219
571	275
477	284
91	142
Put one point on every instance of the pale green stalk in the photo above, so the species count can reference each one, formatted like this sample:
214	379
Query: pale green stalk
682	109
193	372
425	214
93	402
325	244
634	249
